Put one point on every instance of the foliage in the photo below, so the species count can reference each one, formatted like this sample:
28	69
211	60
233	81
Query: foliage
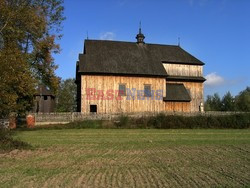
229	103
17	85
156	121
176	122
66	96
243	100
162	121
28	31
122	121
213	103
7	143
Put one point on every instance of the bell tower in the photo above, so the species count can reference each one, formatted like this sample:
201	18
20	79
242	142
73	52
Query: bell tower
140	37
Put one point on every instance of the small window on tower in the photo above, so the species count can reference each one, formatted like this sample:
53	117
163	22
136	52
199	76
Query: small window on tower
45	98
122	89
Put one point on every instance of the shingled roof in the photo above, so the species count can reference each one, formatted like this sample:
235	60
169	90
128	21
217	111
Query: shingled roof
176	93
43	90
130	58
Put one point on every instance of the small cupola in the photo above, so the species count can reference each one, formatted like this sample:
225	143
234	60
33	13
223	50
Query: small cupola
140	37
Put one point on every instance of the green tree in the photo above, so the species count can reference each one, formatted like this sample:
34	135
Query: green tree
28	31
213	103
228	102
66	100
243	100
17	86
208	103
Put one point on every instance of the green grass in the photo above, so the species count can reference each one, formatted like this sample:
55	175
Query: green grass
129	157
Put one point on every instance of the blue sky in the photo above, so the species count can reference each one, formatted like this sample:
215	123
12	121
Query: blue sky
215	31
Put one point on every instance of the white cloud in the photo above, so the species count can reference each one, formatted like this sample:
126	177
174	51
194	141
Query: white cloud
214	80
107	36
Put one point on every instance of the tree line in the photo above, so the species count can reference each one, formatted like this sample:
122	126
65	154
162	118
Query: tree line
240	102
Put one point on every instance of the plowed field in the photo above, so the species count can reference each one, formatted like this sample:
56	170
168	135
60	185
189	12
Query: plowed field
129	158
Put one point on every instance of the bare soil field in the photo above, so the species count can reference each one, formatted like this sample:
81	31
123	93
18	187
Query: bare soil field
129	158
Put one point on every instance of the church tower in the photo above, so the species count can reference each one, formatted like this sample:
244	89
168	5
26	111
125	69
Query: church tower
140	37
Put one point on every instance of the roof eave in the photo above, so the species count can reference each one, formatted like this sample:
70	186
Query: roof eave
184	63
174	100
122	74
185	78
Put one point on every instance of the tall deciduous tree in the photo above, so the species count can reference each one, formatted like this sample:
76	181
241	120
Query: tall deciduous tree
28	31
66	99
17	86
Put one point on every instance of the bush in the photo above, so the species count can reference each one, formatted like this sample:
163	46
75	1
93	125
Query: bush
140	122
237	121
7	143
122	121
161	121
157	122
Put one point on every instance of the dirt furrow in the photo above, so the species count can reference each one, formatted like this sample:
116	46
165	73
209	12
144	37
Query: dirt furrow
141	176
131	177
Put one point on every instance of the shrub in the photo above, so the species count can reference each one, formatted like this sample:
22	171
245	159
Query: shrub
7	143
140	122
161	121
122	121
238	121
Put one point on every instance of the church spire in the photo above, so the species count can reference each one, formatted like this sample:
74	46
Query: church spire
140	37
140	28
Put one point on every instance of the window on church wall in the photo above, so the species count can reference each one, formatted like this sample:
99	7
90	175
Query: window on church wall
45	98
147	90
93	108
122	90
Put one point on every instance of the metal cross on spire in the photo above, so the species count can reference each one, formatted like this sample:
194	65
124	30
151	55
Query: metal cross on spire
140	28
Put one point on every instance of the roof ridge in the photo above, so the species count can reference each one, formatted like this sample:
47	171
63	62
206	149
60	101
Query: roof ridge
96	40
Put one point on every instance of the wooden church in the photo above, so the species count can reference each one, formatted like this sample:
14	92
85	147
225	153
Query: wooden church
127	77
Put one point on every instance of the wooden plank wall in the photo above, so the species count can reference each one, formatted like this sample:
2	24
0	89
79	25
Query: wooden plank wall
183	70
195	88
196	91
106	83
177	106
